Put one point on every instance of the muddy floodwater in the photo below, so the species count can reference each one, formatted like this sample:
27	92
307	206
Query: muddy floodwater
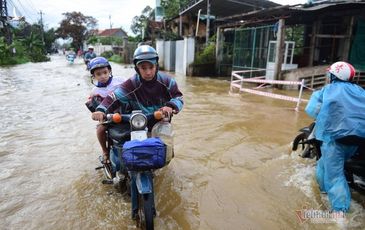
233	167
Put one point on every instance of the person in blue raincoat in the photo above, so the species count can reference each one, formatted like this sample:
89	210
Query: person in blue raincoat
339	110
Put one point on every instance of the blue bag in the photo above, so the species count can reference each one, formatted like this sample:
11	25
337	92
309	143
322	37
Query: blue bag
144	155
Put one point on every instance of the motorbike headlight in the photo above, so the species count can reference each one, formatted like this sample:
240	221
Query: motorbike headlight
139	121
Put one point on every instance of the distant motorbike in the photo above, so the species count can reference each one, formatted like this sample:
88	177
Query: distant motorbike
87	61
70	58
134	156
308	147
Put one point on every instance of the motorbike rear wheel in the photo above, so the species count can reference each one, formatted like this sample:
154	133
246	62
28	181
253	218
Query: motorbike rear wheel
146	211
302	145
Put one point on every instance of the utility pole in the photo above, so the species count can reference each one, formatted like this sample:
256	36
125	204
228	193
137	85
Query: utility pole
41	22
4	28
208	23
110	24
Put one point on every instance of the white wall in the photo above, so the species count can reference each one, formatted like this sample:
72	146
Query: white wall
160	48
169	55
179	57
189	52
176	56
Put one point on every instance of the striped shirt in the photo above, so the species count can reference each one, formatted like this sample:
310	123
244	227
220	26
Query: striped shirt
148	96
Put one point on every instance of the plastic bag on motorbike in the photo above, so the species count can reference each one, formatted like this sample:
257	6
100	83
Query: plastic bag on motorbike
144	155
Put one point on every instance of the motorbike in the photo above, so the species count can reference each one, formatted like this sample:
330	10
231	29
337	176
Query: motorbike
308	147
133	158
87	61
70	58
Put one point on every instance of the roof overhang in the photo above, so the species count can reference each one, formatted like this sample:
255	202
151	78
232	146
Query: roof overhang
224	8
293	14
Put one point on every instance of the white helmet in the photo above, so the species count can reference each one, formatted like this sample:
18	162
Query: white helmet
342	70
90	47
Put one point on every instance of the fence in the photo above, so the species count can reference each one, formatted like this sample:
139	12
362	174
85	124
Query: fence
238	78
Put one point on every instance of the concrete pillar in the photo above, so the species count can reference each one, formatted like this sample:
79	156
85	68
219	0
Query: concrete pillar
219	49
279	49
315	28
347	44
189	52
208	23
160	48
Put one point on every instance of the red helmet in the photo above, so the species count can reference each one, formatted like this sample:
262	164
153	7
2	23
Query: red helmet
342	70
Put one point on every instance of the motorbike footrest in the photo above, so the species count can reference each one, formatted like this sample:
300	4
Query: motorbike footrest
100	167
105	181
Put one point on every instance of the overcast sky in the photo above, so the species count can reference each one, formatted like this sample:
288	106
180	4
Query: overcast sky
121	11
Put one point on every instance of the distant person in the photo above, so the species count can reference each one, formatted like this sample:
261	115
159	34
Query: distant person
79	53
106	83
339	110
89	55
71	55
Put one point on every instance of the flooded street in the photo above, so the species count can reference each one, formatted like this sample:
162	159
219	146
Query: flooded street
232	167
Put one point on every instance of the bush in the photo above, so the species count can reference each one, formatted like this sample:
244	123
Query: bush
206	56
10	58
107	54
116	58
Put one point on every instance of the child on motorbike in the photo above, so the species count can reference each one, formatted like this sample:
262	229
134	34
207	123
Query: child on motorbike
101	71
339	110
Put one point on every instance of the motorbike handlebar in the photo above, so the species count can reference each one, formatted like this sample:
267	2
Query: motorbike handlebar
117	118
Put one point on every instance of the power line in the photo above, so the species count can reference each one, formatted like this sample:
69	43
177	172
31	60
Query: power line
24	12
41	22
30	3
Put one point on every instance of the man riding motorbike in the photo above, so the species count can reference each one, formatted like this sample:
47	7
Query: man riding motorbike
149	90
339	111
88	56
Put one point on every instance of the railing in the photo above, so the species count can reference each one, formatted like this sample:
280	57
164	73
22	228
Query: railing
360	78
237	80
319	80
314	81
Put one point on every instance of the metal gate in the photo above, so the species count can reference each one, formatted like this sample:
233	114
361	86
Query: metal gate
251	47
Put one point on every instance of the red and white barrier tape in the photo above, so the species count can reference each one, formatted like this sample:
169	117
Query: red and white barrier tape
273	95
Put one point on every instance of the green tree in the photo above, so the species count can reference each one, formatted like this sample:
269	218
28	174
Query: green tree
5	50
77	26
34	47
172	7
49	39
28	42
139	23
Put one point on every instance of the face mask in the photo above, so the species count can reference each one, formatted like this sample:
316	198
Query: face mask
100	84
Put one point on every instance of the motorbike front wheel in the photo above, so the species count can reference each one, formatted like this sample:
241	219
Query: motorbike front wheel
146	211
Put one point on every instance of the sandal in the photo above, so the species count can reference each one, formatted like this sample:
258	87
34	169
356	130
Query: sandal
106	159
107	166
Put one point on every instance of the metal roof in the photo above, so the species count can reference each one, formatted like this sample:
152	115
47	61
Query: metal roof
224	8
294	14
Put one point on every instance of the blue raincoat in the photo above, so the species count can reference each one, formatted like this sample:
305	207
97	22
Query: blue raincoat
339	110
